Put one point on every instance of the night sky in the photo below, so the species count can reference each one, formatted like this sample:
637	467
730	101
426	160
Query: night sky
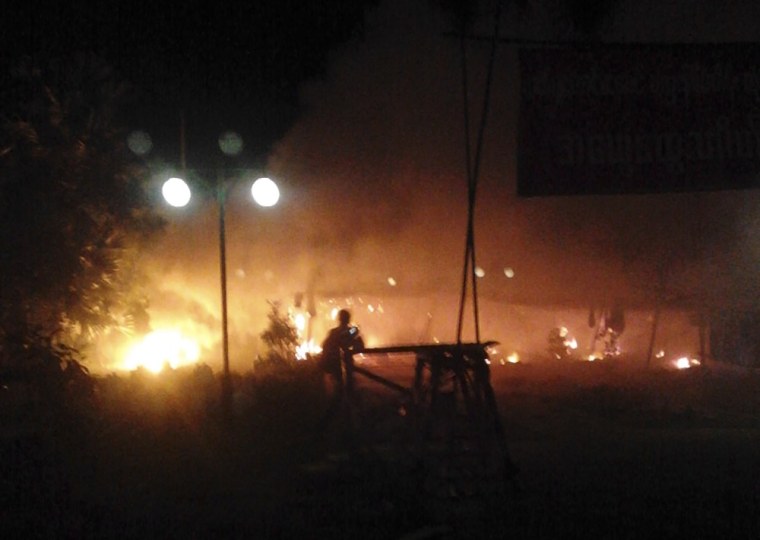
231	65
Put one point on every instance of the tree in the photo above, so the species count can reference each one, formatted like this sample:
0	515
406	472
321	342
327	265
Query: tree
280	336
72	205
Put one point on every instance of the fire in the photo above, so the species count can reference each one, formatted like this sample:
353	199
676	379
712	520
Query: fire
494	352
685	362
299	321
568	340
307	348
161	348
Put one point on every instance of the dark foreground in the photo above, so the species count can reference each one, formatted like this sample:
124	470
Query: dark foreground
604	452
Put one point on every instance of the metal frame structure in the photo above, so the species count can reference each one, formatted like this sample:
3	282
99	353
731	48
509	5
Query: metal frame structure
454	415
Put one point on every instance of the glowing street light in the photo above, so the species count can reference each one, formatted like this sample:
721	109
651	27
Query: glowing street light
176	192
265	193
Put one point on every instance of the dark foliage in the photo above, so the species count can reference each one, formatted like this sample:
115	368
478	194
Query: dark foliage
72	205
281	337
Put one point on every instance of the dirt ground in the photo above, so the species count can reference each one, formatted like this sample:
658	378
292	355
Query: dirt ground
603	451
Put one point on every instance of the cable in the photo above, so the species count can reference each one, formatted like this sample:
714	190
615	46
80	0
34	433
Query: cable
473	171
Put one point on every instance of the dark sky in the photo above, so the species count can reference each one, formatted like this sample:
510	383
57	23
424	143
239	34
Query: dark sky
226	65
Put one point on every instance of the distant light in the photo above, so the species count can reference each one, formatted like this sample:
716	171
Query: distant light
683	363
230	143
139	142
479	272
391	282
265	192
513	358
509	272
176	192
660	354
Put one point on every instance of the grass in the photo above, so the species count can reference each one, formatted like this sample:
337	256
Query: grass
604	452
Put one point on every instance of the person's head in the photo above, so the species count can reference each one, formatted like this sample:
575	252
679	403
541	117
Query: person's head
344	317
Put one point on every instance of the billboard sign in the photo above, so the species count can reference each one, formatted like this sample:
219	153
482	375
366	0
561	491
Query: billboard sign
623	119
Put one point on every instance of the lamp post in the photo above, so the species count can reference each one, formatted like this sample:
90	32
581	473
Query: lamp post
265	193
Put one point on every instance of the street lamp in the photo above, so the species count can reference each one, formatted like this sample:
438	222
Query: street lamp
265	193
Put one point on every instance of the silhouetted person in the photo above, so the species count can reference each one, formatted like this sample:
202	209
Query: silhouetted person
338	350
613	327
615	319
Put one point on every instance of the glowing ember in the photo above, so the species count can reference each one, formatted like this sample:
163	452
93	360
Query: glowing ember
391	282
162	348
685	362
495	353
561	343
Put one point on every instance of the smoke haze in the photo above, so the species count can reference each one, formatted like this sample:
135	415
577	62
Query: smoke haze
374	187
